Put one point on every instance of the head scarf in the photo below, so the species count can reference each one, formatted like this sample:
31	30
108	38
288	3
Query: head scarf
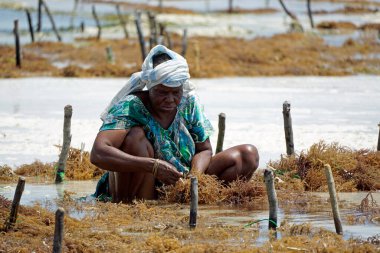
172	73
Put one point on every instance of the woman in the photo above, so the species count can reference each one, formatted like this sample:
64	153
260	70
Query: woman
158	135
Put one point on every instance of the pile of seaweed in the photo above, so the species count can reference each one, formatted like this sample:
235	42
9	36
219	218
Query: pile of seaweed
78	167
353	170
213	191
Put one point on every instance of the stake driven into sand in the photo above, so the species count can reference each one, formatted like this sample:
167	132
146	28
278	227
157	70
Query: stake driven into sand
58	230
17	44
333	200
66	144
221	132
15	204
272	199
288	128
193	202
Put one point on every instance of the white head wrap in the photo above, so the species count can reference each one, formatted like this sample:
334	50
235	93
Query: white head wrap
172	73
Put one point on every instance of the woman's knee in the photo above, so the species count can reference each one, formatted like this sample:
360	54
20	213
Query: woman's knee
250	158
136	143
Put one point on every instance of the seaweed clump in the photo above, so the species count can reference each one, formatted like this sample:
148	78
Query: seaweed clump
352	169
213	191
78	167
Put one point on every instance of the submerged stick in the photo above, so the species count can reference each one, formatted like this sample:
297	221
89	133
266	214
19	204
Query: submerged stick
51	20
29	17
333	200
58	230
17	44
15	204
378	140
123	23
140	35
310	14
272	199
97	22
221	132
66	144
193	202
288	128
184	42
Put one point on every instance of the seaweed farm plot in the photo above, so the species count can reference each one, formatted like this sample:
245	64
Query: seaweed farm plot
156	226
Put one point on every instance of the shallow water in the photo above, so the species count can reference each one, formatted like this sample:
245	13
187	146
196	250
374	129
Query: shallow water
318	216
335	109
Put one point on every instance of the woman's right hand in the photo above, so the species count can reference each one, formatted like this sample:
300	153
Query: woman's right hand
167	173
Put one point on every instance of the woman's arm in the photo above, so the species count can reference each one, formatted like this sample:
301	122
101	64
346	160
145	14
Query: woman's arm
106	154
202	157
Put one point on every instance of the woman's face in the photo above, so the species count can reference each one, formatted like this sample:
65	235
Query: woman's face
165	99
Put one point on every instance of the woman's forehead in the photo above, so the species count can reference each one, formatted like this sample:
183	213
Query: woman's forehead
162	87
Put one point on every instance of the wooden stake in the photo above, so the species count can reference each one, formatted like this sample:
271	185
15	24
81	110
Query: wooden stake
197	57
184	42
378	140
66	144
17	44
296	25
123	23
29	17
272	199
221	131
333	200
97	22
140	35
82	26
193	202
153	28
51	20
58	230
110	56
230	6
168	40
309	12
15	204
39	16
73	14
288	128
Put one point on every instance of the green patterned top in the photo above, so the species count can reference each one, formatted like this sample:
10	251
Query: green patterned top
176	144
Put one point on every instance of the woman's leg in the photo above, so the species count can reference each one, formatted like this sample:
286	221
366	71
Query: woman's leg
236	162
128	186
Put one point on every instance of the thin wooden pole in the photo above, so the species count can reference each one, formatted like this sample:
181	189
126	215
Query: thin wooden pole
288	12
66	144
272	199
221	132
378	140
123	23
97	22
51	20
168	40
140	35
153	27
333	200
39	16
17	44
184	42
58	230
193	202
288	128
230	6
82	26
310	14
73	13
15	204
197	57
110	55
29	17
